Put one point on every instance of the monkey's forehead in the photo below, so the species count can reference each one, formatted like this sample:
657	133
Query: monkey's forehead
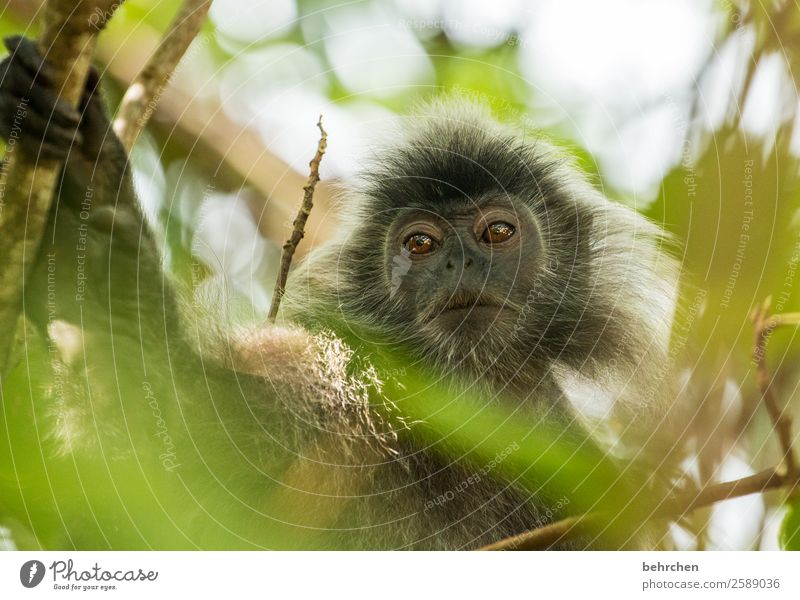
458	206
452	166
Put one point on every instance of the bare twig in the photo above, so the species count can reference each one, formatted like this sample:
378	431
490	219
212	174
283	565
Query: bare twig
672	508
144	92
298	228
545	537
784	475
763	326
26	184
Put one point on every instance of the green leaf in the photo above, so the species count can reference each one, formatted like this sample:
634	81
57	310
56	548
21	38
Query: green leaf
790	528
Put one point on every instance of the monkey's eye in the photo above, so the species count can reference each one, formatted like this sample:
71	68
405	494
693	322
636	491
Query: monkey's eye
419	243
498	232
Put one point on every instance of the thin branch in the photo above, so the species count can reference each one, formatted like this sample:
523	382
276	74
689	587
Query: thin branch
763	326
144	92
68	39
786	474
299	226
673	508
545	537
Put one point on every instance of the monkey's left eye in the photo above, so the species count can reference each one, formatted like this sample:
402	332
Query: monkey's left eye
419	243
498	232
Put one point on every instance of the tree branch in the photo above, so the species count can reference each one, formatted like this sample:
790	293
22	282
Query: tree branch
144	92
230	151
299	226
763	326
784	475
68	39
672	508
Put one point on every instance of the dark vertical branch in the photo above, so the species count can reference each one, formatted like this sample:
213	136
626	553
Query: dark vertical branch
68	39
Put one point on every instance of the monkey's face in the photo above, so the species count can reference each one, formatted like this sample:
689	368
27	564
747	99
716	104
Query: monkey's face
462	275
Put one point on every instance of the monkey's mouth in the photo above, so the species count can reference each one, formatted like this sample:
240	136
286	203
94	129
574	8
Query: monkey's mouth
462	304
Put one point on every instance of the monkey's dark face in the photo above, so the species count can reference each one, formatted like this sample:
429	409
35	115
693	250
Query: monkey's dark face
468	249
487	257
462	273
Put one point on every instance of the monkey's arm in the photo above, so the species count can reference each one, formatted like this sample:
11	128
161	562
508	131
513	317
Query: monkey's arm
98	254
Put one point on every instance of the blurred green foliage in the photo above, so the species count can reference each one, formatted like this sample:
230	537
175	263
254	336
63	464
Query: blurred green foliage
790	527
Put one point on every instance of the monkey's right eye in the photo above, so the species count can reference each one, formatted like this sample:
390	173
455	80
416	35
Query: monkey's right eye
419	243
498	232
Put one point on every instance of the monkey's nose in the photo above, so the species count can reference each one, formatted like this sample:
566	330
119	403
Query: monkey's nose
467	264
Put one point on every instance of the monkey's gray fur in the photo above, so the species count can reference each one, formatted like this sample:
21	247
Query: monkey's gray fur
594	314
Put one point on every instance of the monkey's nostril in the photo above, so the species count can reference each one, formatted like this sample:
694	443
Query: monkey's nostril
449	264
467	263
